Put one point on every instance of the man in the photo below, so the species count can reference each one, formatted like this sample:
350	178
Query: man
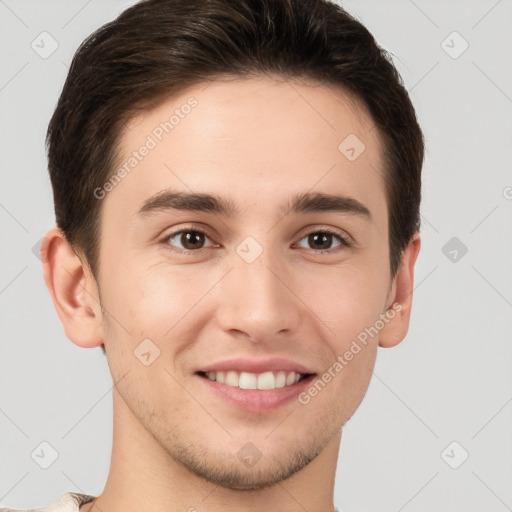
237	191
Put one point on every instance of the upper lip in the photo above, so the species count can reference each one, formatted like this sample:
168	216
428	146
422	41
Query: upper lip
257	365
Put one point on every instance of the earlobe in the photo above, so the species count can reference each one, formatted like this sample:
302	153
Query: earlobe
400	298
73	290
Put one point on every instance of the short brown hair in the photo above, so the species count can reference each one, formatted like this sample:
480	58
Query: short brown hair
159	47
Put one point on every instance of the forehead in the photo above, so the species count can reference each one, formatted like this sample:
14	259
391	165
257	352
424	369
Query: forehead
259	138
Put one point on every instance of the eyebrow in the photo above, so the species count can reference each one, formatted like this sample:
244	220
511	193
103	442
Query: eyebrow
308	202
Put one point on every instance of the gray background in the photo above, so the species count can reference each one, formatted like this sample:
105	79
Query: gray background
449	381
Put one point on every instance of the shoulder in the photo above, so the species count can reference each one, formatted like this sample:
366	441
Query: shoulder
69	502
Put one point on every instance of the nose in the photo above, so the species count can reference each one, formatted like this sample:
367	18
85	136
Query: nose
258	299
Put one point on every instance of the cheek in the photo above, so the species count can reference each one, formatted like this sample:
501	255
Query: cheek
156	303
345	300
145	312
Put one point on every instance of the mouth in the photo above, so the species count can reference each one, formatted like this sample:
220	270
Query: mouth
256	392
262	381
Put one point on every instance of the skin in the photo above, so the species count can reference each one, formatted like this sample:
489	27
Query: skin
257	141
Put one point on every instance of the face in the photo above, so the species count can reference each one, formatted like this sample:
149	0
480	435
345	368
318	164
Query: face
244	288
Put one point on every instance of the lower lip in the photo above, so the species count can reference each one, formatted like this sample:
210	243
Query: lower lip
257	400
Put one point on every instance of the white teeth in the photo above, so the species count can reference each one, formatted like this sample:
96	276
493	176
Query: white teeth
247	380
231	379
266	380
290	379
280	380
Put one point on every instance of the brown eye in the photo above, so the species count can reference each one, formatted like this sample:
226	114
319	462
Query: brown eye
322	240
190	239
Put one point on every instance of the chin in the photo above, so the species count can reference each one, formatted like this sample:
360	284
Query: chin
232	473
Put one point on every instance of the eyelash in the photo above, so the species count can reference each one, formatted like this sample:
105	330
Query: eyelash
344	241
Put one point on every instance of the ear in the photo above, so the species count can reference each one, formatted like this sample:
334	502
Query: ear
400	297
73	290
